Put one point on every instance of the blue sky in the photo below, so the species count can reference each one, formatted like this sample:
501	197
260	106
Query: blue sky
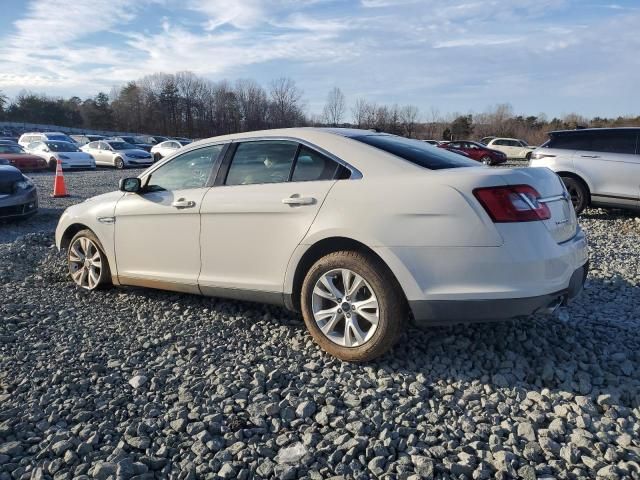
551	56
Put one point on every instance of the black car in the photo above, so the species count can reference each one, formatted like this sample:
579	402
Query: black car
18	194
133	141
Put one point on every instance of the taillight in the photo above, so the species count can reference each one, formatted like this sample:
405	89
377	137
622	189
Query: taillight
514	203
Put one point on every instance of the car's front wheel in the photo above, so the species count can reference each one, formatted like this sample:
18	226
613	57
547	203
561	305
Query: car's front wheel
353	306
88	265
486	160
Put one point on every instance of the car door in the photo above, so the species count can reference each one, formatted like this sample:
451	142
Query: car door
268	194
104	154
613	166
157	231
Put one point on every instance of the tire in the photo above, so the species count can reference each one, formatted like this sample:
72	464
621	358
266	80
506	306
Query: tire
527	157
578	192
118	163
53	164
156	157
94	274
486	160
378	283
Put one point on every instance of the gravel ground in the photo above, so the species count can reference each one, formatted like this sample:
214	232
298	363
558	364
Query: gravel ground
136	383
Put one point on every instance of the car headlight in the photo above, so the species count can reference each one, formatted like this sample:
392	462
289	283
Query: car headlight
24	184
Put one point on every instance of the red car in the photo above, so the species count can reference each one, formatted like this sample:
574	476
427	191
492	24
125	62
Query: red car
21	159
476	151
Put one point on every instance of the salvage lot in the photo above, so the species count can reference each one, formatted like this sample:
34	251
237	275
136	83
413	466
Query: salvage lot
140	382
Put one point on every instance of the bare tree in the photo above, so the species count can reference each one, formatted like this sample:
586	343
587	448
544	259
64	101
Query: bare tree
360	113
286	109
334	108
409	120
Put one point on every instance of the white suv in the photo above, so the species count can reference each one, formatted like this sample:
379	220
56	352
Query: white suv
511	147
600	166
31	137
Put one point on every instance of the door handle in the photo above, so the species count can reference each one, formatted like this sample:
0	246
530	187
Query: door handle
297	200
182	203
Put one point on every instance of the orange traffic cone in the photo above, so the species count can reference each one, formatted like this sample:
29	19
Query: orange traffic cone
59	189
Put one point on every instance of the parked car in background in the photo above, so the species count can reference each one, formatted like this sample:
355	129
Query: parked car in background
346	245
485	140
84	139
16	156
31	137
133	141
511	147
167	148
67	152
182	139
476	151
18	194
114	153
8	140
600	166
152	139
433	142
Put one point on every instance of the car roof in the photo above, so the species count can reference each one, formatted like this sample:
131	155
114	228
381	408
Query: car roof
592	130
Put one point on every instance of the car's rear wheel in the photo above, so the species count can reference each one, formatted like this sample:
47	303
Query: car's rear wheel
118	163
353	306
486	160
88	265
578	193
156	157
528	156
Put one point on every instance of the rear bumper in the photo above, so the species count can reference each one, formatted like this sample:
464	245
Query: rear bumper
438	312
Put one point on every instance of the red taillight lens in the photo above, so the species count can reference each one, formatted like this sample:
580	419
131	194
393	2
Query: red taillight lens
515	203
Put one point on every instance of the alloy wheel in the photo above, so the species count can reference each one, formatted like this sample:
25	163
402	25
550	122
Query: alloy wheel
486	160
85	263
345	307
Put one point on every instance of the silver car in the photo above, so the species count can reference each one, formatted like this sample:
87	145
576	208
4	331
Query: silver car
600	166
117	154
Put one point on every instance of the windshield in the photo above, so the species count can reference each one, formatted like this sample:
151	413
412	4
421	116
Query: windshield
417	152
61	147
121	146
11	149
60	138
129	140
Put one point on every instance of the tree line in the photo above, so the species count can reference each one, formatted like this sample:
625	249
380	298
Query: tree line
184	104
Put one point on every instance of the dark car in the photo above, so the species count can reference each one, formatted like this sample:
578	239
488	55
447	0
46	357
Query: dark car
84	139
476	151
18	194
135	141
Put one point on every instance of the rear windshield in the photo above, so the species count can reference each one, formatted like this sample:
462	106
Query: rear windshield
417	152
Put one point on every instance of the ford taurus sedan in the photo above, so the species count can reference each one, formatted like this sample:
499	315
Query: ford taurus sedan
358	230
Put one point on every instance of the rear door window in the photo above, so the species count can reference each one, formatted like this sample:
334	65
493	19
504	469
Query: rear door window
311	165
267	161
614	142
417	152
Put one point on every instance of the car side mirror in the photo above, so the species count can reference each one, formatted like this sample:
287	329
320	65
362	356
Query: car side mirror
130	185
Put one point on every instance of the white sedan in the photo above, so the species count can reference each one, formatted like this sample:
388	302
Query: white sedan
354	228
118	154
164	149
68	153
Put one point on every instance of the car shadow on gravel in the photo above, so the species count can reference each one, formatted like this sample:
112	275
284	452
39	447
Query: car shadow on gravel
589	348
